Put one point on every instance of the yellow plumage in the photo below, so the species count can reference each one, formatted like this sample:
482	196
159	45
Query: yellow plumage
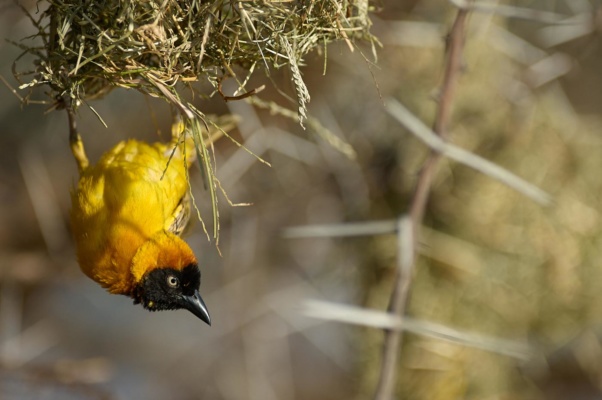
130	197
128	211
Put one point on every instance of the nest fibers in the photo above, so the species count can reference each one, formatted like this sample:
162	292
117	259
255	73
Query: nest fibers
90	47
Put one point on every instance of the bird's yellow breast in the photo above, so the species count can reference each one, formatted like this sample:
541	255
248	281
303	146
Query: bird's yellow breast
122	202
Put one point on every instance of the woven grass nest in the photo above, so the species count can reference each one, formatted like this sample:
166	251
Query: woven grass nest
90	47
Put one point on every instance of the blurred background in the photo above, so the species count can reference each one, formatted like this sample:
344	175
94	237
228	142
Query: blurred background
491	261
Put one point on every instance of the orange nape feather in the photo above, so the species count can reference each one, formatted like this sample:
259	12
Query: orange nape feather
162	250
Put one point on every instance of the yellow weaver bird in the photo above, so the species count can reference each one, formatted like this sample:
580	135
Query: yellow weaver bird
128	212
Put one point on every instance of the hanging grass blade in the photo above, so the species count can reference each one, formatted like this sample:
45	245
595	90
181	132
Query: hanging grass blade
206	170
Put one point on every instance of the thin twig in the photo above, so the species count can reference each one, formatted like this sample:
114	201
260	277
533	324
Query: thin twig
510	11
366	228
377	319
22	99
422	132
249	93
203	43
407	227
406	254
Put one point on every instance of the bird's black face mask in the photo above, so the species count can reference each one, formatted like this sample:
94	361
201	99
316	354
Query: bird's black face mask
171	289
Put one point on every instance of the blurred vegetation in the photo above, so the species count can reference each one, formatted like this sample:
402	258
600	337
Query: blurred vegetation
492	261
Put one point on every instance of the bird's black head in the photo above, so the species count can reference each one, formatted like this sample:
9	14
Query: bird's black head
172	289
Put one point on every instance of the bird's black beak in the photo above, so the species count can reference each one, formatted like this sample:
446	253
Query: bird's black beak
196	305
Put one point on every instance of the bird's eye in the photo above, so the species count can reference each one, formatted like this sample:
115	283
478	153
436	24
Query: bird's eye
173	281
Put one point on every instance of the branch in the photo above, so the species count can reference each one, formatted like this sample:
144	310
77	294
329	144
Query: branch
377	319
367	228
407	245
545	17
422	132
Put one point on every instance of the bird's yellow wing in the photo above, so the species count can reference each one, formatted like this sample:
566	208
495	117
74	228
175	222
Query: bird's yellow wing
180	218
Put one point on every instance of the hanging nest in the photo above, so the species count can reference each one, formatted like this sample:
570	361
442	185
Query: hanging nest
90	47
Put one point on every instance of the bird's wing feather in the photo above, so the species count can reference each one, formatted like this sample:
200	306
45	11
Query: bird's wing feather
180	217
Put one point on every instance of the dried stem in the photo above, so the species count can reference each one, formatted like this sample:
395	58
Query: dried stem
330	311
397	305
415	126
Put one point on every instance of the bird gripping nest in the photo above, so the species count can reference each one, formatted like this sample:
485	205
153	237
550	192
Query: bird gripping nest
157	46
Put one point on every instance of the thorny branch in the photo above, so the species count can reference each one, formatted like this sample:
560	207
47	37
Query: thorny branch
422	132
398	301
